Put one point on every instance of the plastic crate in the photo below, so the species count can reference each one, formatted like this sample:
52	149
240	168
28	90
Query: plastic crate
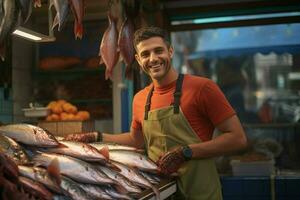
255	168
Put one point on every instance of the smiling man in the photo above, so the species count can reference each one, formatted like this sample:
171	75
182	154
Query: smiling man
174	119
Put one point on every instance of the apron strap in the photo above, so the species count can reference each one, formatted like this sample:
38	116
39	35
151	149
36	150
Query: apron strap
148	102
177	93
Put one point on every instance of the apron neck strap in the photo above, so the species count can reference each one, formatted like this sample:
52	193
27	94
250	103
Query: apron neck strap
177	95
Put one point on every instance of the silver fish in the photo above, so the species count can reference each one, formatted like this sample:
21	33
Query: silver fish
122	180
13	150
114	193
74	168
79	150
62	11
133	159
35	188
136	178
150	177
29	134
40	175
114	146
73	190
95	191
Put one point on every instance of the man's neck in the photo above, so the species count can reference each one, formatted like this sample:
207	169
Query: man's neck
171	76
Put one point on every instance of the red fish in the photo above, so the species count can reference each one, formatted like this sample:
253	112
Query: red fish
77	7
125	44
109	47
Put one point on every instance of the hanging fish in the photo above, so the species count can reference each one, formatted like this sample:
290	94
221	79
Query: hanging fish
125	43
62	11
109	47
25	8
77	7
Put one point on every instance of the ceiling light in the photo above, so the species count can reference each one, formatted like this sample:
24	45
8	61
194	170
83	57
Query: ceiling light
32	35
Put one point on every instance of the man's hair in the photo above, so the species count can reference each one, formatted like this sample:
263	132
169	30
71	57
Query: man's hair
149	32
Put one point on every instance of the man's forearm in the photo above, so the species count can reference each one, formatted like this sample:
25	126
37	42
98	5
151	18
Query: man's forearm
223	144
122	138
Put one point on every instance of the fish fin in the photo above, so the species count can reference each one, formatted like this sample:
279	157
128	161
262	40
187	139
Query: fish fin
105	152
120	188
55	22
54	171
156	192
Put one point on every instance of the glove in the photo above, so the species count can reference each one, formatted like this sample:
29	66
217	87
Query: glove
170	162
85	137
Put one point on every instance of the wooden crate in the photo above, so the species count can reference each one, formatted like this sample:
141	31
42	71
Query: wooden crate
62	128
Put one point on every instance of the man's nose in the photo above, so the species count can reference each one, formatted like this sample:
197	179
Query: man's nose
153	57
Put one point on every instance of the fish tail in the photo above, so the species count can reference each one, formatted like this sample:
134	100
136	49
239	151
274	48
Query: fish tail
108	74
78	29
37	3
55	22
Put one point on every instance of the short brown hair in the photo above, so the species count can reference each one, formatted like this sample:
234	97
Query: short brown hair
149	32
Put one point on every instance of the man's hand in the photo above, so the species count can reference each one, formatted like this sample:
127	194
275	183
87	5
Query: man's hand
85	137
170	162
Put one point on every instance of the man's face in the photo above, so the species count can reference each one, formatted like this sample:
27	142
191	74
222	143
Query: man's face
154	56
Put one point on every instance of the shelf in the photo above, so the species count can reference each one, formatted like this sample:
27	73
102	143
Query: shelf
272	125
82	101
75	72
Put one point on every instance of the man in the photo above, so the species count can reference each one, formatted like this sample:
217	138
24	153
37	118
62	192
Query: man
174	118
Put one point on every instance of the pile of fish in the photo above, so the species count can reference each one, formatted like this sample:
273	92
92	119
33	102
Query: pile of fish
48	167
14	13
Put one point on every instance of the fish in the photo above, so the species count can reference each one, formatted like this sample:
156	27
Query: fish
114	146
62	11
37	3
29	134
25	8
8	167
73	190
13	150
136	178
35	188
114	193
74	168
9	18
109	53
133	159
77	7
95	191
125	43
80	150
150	177
40	175
122	180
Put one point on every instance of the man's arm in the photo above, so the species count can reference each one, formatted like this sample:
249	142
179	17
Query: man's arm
233	138
133	138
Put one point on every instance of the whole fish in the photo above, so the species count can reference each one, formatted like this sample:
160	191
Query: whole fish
74	168
95	191
125	43
13	150
73	190
80	150
114	193
40	175
26	9
35	188
9	18
29	134
136	178
62	11
77	7
150	177
133	159
109	47
114	146
122	180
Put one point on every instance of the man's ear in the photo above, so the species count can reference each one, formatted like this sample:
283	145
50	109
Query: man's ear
137	58
171	51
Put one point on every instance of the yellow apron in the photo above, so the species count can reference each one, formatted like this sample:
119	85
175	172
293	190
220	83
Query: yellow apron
167	128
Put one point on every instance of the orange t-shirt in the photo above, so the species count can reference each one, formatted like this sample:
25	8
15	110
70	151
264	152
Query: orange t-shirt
202	103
